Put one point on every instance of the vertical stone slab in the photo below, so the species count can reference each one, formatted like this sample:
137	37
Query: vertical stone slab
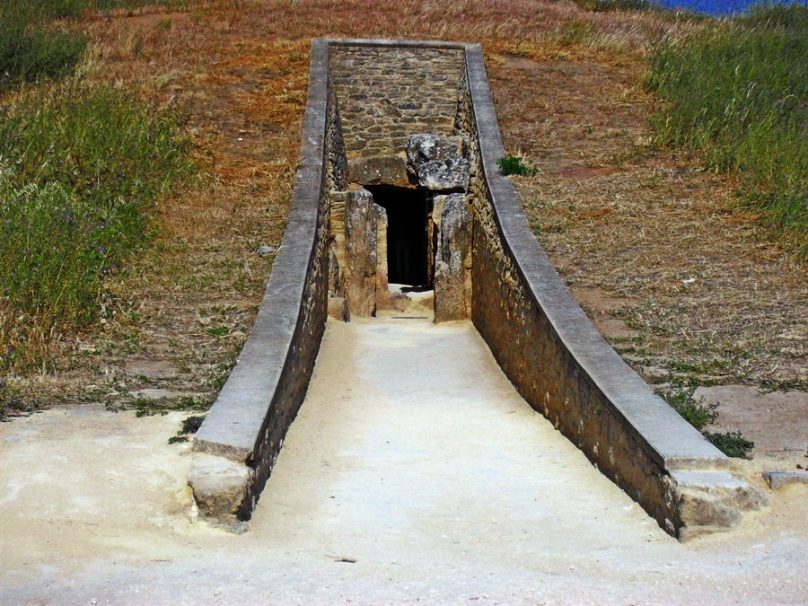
359	283
454	248
336	242
382	281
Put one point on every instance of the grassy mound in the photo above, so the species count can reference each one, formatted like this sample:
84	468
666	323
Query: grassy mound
738	95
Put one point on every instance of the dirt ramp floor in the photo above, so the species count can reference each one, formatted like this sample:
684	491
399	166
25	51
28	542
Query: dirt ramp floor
413	474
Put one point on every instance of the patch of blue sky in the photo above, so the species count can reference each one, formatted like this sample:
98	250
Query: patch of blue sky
719	8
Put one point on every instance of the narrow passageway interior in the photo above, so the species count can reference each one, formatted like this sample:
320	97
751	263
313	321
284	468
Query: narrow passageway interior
407	244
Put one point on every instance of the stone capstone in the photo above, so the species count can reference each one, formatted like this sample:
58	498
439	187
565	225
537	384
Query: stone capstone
437	162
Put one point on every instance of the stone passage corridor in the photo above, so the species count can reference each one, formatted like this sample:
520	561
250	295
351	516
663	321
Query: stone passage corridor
412	444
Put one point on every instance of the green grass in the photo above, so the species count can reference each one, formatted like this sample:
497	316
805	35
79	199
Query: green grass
737	95
81	172
600	6
31	50
512	164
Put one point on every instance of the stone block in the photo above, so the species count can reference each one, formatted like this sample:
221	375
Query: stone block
453	250
437	162
220	487
361	216
380	170
382	276
338	309
778	479
710	501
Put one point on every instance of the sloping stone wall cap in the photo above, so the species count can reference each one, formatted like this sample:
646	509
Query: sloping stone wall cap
234	423
671	438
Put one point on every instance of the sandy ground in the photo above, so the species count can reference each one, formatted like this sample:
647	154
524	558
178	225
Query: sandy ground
413	474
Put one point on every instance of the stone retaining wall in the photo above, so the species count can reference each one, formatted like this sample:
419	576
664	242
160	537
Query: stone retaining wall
562	366
384	91
238	443
387	93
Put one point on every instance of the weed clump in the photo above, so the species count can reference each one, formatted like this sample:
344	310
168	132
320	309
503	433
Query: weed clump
731	443
695	412
700	415
189	427
512	164
738	95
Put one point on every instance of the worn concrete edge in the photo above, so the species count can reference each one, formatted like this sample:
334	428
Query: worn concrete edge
235	422
670	439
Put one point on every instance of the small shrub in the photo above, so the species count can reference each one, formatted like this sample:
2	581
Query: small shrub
731	443
515	165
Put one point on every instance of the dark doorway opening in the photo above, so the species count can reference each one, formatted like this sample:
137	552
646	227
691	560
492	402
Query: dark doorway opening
407	243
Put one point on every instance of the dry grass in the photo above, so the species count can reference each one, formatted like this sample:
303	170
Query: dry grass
615	218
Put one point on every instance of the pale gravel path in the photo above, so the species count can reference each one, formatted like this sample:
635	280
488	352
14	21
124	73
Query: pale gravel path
412	455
